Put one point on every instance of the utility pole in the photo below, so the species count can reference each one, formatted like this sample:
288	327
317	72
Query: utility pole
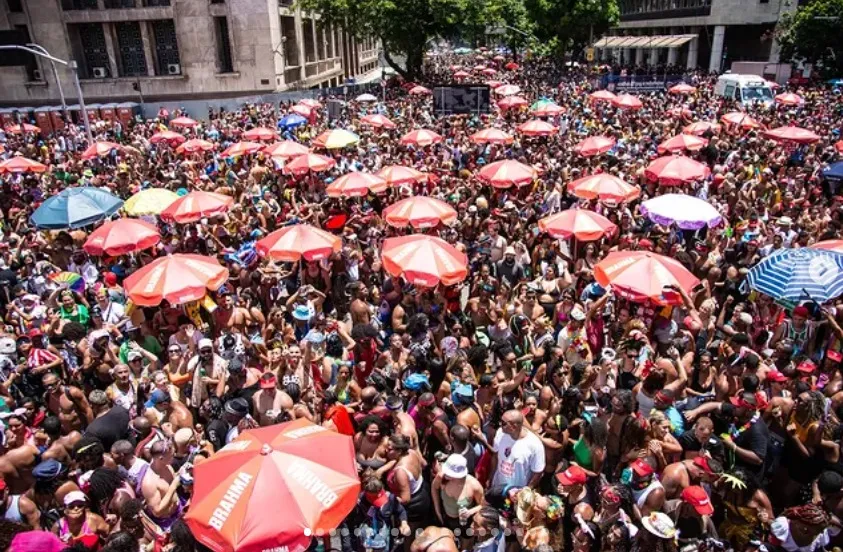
70	65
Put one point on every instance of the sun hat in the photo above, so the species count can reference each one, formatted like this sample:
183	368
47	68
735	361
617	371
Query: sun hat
660	525
301	312
455	467
75	496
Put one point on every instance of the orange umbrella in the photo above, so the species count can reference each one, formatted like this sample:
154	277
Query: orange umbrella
378	121
839	146
286	149
168	137
582	224
421	138
790	99
701	127
242	148
21	128
395	175
682	142
299	241
420	212
508	173
595	145
420	90
309	469
627	101
512	102
184	122
674	170
301	109
309	162
99	149
603	186
536	127
682	88
491	136
424	260
602	96
195	145
262	134
792	134
18	165
195	206
177	279
507	90
121	237
641	276
311	103
740	119
356	184
829	245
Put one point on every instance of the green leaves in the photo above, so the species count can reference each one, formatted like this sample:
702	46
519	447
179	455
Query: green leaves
811	34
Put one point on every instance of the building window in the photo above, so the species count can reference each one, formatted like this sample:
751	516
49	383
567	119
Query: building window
166	47
94	51
119	4
224	61
15	6
130	49
79	5
156	3
309	39
31	65
291	49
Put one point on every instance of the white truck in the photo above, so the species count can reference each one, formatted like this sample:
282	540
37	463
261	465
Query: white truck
745	89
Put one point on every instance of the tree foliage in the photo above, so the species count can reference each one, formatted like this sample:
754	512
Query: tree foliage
812	34
568	25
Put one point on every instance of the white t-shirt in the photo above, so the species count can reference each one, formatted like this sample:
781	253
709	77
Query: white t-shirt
518	459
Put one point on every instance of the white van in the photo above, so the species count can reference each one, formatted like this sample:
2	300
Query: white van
745	89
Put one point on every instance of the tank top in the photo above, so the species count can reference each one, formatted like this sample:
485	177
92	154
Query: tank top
125	399
13	511
582	454
452	505
645	403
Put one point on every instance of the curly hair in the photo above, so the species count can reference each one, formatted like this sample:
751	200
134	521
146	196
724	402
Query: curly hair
809	514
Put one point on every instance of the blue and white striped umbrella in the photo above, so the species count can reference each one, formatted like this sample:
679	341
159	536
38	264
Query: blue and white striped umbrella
799	275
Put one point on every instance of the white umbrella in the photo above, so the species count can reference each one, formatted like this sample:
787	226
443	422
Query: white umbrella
686	212
366	98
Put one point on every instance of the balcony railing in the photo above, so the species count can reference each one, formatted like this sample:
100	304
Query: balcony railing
638	10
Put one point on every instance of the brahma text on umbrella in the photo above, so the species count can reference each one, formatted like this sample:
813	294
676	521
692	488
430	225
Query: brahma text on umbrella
312	484
229	500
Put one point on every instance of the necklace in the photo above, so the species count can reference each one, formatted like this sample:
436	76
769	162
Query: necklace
736	432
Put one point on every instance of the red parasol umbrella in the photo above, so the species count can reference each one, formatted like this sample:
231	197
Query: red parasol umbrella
605	187
395	175
507	90
508	173
18	165
479	67
306	469
682	142
421	138
99	149
682	88
491	136
121	237
792	134
311	103
548	109
740	119
195	206
299	241
21	128
789	99
627	101
420	212
378	121
603	96
303	110
424	260
183	122
262	134
178	278
701	127
168	137
512	102
356	184
829	245
420	90
499	58
512	66
195	145
488	72
641	276
839	146
241	148
493	83
674	170
582	224
286	149
462	75
536	128
309	162
595	145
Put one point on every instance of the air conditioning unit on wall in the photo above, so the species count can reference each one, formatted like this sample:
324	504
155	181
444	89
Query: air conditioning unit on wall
100	72
174	69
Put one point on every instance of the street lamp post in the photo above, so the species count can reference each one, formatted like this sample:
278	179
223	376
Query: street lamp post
55	76
42	52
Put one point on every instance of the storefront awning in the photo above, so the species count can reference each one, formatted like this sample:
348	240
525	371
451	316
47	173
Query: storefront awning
652	41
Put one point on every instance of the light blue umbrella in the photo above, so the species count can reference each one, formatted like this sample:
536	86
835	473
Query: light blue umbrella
291	121
799	275
75	208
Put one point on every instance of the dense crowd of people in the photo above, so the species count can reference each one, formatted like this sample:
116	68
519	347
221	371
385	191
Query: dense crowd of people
526	408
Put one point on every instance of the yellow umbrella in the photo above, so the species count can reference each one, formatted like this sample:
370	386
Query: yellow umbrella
335	139
149	202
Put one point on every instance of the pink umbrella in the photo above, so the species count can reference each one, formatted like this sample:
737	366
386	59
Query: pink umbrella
311	103
99	149
424	260
792	134
298	241
303	110
242	148
286	149
511	66
420	90
603	186
491	136
682	88
488	71
420	138
419	212
548	109
512	102
536	128
507	90
378	121
120	237
168	137
461	75
581	224
508	173
194	145
682	142
493	83
184	122
395	175
790	99
356	184
627	101
740	120
602	96
595	145
701	127
310	162
260	133
196	205
674	170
